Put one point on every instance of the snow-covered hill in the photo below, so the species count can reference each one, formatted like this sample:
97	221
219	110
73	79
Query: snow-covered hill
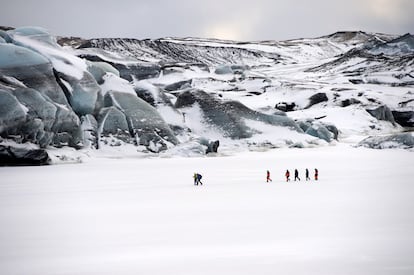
187	96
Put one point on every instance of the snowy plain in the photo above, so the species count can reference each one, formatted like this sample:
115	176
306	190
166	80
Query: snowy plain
145	216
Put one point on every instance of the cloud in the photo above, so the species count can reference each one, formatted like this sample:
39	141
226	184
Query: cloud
389	10
235	21
228	19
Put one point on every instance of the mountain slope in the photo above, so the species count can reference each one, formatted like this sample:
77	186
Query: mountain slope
120	92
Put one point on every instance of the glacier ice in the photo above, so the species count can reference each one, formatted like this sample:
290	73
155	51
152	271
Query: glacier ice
83	92
403	141
12	113
325	131
15	56
99	69
37	105
230	69
112	121
144	122
320	131
31	69
89	131
5	36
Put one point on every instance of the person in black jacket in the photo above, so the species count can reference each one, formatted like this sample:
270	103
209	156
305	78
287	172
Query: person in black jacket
197	179
307	174
297	174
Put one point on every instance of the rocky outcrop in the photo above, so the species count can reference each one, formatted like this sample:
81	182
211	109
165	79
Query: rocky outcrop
316	98
229	117
349	101
286	106
382	113
180	85
14	156
404	118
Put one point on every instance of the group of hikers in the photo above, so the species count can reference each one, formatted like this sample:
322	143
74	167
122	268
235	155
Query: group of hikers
197	177
287	175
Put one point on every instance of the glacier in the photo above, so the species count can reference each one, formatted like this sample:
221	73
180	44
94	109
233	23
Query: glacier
197	93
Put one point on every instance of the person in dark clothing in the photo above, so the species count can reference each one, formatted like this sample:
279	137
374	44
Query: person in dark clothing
287	175
297	174
197	179
316	174
268	176
307	174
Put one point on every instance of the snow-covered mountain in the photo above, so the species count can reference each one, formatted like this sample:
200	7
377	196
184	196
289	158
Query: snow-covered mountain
187	96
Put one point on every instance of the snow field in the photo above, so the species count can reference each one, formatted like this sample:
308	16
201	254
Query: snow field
145	216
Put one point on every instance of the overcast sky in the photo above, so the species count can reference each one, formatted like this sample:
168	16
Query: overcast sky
228	19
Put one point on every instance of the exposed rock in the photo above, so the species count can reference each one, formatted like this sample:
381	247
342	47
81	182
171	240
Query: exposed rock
349	101
382	113
212	146
180	85
12	156
333	129
317	98
151	94
404	118
137	71
286	106
229	116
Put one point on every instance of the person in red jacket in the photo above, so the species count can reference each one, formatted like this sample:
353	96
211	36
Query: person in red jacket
316	174
287	174
268	176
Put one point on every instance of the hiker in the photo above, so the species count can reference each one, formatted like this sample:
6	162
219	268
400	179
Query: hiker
197	179
287	174
297	174
307	174
268	176
316	174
